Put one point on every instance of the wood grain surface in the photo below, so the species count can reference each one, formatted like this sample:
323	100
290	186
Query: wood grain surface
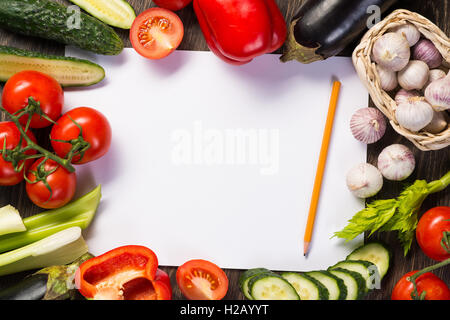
430	165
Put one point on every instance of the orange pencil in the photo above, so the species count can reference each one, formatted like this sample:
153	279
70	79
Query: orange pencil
321	167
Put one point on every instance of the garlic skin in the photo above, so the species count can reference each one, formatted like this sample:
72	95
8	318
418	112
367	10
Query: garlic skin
404	95
396	162
438	93
368	125
427	52
437	124
391	51
414	75
364	180
388	78
409	31
415	114
435	74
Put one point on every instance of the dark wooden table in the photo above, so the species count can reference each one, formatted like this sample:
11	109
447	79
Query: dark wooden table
430	165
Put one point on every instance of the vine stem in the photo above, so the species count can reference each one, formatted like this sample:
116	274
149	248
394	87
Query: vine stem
415	294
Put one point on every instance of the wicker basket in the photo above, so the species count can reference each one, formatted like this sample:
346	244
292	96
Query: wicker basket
366	70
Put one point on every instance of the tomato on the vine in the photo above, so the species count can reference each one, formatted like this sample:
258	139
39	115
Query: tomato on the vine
95	137
433	233
50	186
10	138
47	97
433	286
173	5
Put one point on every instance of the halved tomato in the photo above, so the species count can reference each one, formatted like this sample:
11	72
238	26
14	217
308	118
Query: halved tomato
156	33
202	280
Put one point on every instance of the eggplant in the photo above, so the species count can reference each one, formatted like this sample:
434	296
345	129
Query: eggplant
323	28
52	283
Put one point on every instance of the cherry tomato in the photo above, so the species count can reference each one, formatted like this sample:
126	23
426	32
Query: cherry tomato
430	232
62	183
10	134
156	33
42	88
173	5
435	288
95	128
202	280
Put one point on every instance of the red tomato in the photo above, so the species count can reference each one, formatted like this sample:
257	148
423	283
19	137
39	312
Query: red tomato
435	288
10	134
156	33
95	130
430	232
62	183
42	88
202	280
173	5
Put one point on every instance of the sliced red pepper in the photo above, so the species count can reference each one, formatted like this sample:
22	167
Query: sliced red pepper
239	30
125	273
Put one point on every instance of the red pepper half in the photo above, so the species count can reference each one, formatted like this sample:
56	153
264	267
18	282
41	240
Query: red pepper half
125	273
239	30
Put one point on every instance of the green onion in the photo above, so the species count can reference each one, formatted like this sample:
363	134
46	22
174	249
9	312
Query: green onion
60	248
10	221
78	213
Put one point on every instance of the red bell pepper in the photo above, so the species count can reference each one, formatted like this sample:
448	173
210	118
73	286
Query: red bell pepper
125	273
239	30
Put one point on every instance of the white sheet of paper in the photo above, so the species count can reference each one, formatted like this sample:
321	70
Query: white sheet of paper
217	162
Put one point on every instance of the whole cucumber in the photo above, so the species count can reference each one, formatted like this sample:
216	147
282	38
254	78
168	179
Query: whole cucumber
323	28
68	25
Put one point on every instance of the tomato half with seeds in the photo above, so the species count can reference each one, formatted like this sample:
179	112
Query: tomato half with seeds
156	33
202	280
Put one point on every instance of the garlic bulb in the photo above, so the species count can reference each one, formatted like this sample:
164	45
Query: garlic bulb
435	74
391	51
415	114
438	93
437	124
414	75
427	52
396	162
364	180
409	31
388	79
404	95
368	125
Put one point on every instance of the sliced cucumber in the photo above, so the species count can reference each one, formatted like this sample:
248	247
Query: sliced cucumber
307	287
116	13
245	278
366	269
355	283
374	252
69	72
336	287
271	287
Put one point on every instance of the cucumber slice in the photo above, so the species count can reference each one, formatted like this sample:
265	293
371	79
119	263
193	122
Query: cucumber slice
307	287
355	283
336	287
366	269
116	13
374	252
271	287
245	278
69	72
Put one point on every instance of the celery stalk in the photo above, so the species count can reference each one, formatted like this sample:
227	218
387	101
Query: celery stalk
78	213
10	221
60	248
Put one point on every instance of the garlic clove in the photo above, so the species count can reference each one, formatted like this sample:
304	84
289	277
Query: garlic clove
396	162
435	74
409	31
391	51
404	95
364	180
438	93
427	52
368	125
437	124
388	78
415	114
414	75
